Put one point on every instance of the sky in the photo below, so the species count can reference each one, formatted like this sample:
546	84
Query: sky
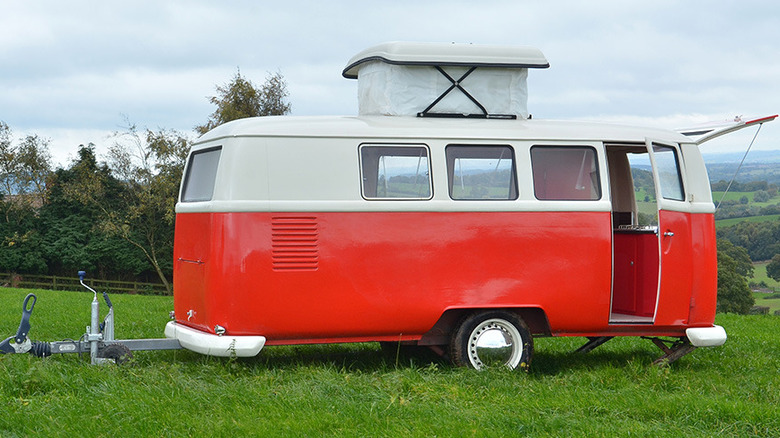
75	72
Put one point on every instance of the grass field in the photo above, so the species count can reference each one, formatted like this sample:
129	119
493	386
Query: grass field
736	196
353	390
736	220
731	196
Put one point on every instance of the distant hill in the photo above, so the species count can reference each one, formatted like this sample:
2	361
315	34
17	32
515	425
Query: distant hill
755	156
759	166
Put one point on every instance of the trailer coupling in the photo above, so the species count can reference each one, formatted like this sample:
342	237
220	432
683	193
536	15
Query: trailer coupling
98	341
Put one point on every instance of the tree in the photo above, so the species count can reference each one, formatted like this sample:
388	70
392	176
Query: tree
34	167
773	268
24	172
70	222
20	243
240	98
743	265
7	161
761	196
272	96
142	175
150	166
734	295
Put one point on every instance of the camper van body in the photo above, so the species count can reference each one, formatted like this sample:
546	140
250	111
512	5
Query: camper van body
443	215
293	230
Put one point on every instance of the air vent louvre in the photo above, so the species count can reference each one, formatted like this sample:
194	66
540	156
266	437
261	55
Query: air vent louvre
294	243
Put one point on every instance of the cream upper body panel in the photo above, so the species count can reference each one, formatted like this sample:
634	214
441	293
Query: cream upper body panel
312	163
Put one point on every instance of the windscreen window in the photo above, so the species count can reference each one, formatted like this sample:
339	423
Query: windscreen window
201	175
565	173
481	172
395	172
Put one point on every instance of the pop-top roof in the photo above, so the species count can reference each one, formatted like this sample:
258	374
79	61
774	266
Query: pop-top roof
447	54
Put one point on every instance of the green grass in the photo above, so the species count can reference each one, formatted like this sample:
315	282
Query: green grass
768	300
737	196
352	390
759	275
731	196
736	220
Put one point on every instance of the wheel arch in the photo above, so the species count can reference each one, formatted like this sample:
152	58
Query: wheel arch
534	317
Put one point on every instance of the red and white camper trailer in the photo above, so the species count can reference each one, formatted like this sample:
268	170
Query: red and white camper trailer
443	215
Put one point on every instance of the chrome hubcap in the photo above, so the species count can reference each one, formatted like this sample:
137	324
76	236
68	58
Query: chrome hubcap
495	343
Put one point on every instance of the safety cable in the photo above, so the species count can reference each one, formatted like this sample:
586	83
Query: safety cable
739	167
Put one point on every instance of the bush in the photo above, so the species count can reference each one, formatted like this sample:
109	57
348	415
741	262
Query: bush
758	285
761	196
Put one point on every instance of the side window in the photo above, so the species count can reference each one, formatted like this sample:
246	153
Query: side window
565	173
201	175
395	172
669	177
481	172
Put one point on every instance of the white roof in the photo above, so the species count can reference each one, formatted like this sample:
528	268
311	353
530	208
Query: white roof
447	54
380	128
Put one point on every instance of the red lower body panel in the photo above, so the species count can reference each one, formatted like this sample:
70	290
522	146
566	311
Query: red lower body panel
295	277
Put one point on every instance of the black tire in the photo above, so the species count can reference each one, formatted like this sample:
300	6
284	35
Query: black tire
492	339
119	353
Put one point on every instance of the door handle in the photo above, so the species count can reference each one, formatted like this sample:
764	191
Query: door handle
669	234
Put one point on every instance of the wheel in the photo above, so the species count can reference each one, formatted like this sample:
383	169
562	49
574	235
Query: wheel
492	339
119	353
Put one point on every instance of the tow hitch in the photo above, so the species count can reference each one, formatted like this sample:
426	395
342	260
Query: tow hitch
98	340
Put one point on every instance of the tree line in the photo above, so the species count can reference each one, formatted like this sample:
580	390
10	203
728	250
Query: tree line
113	217
760	241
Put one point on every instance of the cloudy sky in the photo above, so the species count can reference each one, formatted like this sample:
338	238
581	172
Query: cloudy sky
74	71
